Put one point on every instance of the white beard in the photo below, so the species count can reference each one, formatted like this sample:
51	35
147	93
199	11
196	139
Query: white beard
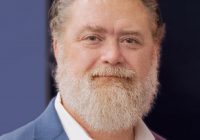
108	104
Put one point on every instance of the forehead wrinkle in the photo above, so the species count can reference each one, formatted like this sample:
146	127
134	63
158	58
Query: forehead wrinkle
94	28
98	29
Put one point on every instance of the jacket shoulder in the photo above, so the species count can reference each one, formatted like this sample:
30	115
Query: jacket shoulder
23	133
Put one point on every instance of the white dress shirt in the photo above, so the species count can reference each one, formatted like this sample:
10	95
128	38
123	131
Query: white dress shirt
75	132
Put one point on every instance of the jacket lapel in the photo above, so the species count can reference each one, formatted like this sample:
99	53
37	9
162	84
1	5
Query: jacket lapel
48	125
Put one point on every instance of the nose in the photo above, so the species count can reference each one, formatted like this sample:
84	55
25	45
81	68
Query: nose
112	54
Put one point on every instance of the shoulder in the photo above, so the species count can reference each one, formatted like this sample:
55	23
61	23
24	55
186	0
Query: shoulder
23	133
40	128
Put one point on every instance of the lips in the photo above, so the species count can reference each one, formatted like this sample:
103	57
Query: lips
110	77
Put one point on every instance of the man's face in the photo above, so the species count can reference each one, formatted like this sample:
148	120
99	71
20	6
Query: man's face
107	62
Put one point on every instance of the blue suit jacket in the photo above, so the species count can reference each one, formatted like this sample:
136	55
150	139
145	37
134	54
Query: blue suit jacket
46	127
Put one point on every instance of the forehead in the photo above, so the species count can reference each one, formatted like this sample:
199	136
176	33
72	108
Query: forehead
110	14
109	7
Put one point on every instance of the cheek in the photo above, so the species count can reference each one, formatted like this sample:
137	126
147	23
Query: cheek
141	62
80	59
146	61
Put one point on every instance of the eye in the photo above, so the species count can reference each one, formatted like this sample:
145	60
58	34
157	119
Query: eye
131	42
92	39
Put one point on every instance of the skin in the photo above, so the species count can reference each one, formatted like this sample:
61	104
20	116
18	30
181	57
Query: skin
107	32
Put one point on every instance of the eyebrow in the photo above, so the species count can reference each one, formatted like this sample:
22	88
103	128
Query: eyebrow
129	32
99	29
93	28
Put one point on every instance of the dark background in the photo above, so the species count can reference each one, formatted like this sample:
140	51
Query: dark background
176	114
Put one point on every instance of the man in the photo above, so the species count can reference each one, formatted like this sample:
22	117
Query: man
107	54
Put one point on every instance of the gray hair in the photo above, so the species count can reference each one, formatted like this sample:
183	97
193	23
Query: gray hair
56	16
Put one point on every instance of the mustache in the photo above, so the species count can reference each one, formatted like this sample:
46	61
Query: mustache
108	71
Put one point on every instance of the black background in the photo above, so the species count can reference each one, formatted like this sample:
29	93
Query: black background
176	114
177	111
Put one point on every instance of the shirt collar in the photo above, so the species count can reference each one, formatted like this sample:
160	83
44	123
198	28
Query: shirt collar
73	130
72	127
142	132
